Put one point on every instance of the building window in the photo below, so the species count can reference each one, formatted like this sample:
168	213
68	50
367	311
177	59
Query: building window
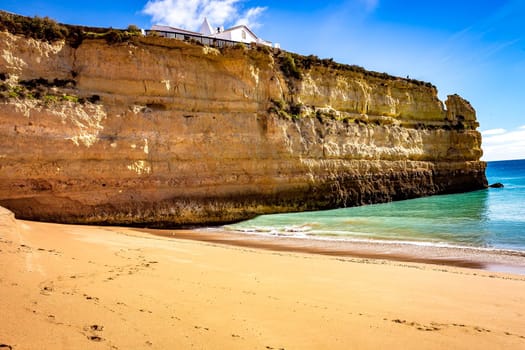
243	35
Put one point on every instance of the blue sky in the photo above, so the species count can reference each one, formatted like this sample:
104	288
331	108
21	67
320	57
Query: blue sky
475	48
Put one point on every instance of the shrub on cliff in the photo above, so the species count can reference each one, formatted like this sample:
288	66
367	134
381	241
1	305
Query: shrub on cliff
239	46
44	91
46	29
264	49
76	36
114	36
41	82
36	27
94	99
4	91
308	62
133	29
288	67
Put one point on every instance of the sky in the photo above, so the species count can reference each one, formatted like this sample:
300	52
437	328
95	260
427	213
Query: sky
475	48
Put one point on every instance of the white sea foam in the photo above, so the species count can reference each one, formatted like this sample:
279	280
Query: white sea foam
343	236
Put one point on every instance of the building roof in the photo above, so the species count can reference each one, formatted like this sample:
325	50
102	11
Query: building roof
206	28
243	27
173	29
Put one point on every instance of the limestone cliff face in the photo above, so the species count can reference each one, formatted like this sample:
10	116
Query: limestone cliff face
172	133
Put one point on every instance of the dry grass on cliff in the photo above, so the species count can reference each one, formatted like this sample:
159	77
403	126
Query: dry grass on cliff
47	29
36	27
301	63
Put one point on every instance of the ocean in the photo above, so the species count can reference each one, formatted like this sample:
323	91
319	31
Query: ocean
492	218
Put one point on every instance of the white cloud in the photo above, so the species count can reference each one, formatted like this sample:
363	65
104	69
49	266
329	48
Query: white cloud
499	144
493	132
249	18
189	14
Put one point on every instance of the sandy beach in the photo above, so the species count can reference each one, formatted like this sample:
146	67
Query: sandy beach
82	287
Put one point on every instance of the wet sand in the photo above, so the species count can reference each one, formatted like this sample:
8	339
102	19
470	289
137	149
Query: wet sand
82	287
487	259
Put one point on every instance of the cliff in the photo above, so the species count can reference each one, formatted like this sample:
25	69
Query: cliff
160	132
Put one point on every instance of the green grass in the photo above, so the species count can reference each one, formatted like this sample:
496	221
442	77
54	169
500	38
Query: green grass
47	91
70	98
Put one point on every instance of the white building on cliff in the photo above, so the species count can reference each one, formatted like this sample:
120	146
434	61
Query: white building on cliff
240	33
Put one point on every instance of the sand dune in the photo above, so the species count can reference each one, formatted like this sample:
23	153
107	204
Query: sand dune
80	287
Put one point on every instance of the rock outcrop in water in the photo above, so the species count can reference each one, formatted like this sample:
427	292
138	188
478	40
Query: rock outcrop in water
159	132
497	185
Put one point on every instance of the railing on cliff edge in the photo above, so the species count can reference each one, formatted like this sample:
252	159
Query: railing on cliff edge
204	40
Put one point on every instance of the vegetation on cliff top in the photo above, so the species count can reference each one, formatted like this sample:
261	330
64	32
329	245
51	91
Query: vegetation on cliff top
292	65
36	28
47	29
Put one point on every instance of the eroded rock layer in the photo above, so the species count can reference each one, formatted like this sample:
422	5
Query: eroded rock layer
164	133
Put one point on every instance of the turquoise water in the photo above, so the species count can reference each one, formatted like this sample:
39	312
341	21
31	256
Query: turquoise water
493	218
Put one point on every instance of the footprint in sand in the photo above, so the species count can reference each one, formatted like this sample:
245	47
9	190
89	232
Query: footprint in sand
46	290
95	338
418	326
88	297
94	328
